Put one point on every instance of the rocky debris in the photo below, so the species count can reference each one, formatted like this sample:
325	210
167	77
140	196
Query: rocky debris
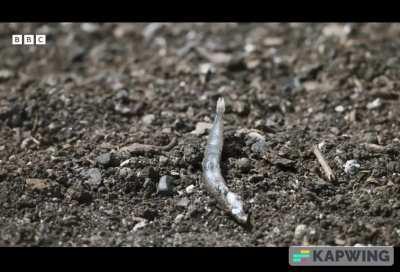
338	30
244	164
125	172
139	225
255	140
351	167
206	68
201	128
300	232
104	159
377	103
37	184
179	218
183	203
93	177
165	186
6	74
148	119
163	160
190	189
260	147
393	167
339	108
284	163
80	194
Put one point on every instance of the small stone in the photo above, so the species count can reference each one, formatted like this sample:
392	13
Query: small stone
148	119
300	232
240	108
189	190
148	172
89	27
163	160
124	163
122	95
94	177
393	166
183	203
244	164
337	30
166	186
6	74
201	128
377	103
272	41
125	172
340	242
359	245
371	138
351	167
248	48
140	225
282	162
339	108
104	159
178	218
206	68
38	184
254	137
259	147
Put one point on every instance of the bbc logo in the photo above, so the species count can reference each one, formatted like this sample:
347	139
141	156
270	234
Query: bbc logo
29	39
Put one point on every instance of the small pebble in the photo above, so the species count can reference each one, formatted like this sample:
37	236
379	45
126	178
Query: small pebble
104	159
125	172
139	225
393	166
183	203
178	218
300	232
259	147
244	164
254	137
339	108
205	68
189	190
6	74
94	177
351	167
374	104
148	119
38	184
166	186
201	128
163	160
283	162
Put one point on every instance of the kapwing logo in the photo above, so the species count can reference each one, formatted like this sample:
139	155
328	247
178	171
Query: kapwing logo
341	256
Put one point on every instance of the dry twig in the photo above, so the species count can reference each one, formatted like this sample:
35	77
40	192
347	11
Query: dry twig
325	166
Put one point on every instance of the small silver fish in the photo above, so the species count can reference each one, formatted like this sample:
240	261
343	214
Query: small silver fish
214	181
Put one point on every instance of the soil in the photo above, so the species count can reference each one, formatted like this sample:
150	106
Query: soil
69	107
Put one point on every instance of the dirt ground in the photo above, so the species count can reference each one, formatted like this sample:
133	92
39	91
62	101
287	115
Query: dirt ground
68	107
